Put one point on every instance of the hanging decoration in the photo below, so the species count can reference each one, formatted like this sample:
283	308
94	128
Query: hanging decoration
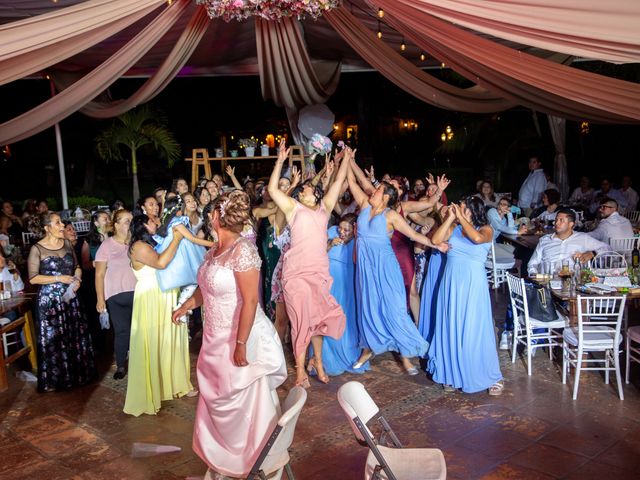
267	9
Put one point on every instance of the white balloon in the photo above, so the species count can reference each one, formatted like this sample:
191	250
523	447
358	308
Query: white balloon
315	119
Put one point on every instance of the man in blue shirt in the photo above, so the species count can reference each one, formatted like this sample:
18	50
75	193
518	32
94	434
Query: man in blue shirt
530	195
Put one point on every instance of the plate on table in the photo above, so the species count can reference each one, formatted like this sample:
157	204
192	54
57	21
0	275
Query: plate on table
601	288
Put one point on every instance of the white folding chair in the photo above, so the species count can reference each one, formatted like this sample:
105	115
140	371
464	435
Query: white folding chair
608	260
598	330
633	348
633	216
28	237
82	226
624	246
496	268
274	457
524	325
384	462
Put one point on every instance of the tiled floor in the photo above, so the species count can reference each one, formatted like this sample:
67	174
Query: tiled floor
533	431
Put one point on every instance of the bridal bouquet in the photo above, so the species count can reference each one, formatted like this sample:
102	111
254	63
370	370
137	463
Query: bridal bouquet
319	145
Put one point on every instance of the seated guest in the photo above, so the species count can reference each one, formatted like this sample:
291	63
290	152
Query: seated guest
16	228
582	196
501	220
5	226
630	195
565	244
550	200
487	195
9	273
612	224
606	190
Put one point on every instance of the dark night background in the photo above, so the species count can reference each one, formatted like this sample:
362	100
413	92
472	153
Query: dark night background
201	109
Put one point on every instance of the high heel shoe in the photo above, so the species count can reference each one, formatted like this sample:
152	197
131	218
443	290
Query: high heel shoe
304	383
360	363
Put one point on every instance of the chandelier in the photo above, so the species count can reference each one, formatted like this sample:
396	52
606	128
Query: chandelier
267	9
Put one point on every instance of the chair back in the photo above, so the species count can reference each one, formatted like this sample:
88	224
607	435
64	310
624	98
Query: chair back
27	238
633	216
518	296
274	454
82	226
624	246
356	402
608	260
600	314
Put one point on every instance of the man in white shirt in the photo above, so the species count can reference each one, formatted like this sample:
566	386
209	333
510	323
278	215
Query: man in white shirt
565	244
629	194
612	224
6	276
530	195
607	191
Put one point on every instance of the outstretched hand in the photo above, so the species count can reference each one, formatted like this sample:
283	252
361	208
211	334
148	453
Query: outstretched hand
283	152
430	179
443	182
230	171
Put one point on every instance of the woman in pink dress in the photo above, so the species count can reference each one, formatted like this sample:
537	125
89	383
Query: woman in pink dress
306	283
241	362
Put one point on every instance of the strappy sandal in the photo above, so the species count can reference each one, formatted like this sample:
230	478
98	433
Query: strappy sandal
304	383
358	364
448	388
496	389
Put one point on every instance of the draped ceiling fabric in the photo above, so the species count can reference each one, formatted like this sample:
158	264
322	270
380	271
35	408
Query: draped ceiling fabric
530	81
596	29
490	42
558	129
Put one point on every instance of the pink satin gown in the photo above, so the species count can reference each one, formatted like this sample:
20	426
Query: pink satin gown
306	282
238	406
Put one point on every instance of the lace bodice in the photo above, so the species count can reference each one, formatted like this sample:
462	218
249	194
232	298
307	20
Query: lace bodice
222	300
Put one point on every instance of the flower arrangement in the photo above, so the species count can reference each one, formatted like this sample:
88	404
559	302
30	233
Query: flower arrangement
267	9
247	142
319	144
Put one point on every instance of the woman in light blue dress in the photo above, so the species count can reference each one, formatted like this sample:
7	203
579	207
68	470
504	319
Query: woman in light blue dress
462	353
428	298
383	320
339	355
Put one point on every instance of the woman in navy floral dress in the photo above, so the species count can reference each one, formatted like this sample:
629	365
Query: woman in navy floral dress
65	354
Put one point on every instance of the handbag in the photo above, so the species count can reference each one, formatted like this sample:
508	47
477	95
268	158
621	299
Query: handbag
540	302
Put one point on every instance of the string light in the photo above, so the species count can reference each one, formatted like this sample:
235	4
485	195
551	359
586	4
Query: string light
422	57
403	46
379	30
380	13
442	65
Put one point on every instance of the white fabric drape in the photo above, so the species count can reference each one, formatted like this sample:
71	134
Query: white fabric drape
602	30
90	86
30	45
558	134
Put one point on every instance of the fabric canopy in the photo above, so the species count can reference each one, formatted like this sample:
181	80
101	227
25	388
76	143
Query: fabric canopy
528	80
89	44
595	29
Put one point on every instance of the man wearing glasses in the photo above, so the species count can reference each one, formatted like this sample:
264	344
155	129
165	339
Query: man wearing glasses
612	224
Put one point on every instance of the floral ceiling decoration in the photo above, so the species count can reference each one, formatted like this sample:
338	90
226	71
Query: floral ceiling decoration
267	9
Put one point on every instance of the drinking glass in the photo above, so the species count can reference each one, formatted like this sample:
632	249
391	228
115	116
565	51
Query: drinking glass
7	288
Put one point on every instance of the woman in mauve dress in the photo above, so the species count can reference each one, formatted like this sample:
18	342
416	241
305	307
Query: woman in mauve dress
241	362
306	283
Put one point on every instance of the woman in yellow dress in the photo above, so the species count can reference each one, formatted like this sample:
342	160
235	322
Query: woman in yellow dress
159	367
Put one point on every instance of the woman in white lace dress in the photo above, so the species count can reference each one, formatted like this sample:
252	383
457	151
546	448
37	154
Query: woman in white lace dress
241	362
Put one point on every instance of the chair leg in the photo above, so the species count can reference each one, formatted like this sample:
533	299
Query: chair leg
287	469
576	381
516	331
564	362
616	361
607	365
549	333
528	354
627	362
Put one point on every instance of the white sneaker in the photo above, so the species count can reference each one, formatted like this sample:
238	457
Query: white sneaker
505	340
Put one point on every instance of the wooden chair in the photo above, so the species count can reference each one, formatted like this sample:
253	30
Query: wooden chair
25	322
200	158
296	154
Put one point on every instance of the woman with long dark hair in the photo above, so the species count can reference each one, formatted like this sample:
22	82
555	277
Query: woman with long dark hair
383	319
148	206
159	366
65	354
463	352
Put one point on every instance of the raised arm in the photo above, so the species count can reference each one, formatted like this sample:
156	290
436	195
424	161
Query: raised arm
483	235
331	197
444	231
359	196
400	224
281	199
367	187
417	206
263	212
145	254
231	172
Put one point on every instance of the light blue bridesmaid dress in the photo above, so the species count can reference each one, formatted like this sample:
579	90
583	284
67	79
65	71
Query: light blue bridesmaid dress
339	355
463	351
383	320
429	295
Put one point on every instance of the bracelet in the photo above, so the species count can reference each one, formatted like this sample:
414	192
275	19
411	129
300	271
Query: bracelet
240	342
57	278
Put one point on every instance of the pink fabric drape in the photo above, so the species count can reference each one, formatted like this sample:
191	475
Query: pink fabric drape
30	45
90	86
287	75
537	83
603	30
406	75
558	127
181	52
